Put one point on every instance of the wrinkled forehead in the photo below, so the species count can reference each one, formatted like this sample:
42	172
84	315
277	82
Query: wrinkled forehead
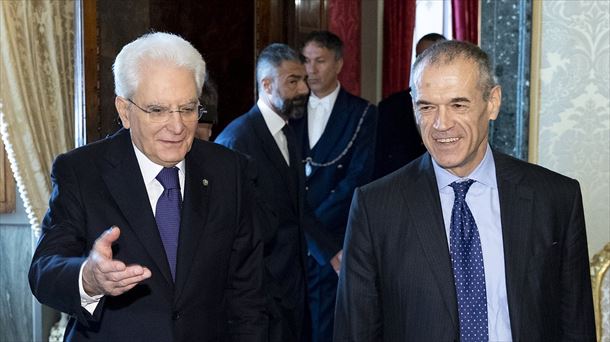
442	70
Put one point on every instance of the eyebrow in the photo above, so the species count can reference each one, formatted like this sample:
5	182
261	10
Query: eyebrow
453	100
459	99
189	102
293	76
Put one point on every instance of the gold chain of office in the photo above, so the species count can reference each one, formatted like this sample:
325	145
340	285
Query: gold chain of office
311	162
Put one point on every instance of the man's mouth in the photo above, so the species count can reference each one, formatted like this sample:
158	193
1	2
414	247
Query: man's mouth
447	140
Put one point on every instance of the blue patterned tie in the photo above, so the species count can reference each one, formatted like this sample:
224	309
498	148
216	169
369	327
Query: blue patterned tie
468	270
167	214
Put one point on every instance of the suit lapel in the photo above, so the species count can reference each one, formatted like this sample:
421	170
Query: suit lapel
426	210
194	215
129	192
333	132
516	206
271	150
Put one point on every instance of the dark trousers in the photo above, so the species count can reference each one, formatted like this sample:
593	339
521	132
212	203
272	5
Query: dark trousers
322	293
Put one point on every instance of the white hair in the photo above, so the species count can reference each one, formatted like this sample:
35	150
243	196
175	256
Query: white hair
158	47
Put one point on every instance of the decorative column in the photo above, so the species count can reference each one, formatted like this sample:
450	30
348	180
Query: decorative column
506	37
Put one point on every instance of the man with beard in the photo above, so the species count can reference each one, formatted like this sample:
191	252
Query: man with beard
263	134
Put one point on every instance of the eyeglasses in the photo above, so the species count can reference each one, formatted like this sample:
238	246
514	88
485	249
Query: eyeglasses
159	114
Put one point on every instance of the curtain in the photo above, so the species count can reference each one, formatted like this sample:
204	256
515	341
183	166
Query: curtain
344	21
466	20
36	93
398	27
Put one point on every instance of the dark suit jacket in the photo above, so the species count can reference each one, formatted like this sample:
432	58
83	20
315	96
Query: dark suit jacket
217	294
396	283
329	189
279	191
398	140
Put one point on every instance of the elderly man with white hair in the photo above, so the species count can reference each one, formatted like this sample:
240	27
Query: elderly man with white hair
149	233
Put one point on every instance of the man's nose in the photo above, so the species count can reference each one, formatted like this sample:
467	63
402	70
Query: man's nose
175	122
303	88
442	120
310	68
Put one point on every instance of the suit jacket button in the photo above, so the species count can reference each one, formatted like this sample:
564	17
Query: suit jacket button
176	315
306	188
340	166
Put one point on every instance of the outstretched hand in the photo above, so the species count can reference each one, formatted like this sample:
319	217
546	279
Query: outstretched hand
103	275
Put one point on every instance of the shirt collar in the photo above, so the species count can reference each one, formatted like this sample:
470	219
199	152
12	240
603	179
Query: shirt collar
484	173
149	169
328	100
274	121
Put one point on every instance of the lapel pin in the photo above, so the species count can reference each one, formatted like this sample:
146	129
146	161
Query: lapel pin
205	182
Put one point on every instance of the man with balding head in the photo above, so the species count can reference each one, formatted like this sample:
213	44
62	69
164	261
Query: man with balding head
464	243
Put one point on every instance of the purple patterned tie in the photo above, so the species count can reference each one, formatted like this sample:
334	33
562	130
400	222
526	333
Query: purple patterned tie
168	214
468	270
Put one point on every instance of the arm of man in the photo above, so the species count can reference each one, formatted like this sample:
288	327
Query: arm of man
358	309
331	214
245	296
63	247
264	214
577	320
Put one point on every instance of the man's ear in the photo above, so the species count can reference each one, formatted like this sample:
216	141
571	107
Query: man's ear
122	107
267	85
339	65
494	102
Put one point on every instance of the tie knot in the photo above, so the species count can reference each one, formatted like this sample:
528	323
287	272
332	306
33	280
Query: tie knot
461	188
168	177
287	130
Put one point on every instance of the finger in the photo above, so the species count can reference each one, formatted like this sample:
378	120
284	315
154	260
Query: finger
125	284
110	266
103	244
127	272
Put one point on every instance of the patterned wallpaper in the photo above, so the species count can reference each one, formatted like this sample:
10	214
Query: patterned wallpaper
574	122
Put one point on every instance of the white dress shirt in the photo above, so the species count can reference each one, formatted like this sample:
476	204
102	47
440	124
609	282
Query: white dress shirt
275	123
318	113
154	189
484	203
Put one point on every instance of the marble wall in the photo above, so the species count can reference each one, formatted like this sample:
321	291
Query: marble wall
16	301
574	118
22	318
506	36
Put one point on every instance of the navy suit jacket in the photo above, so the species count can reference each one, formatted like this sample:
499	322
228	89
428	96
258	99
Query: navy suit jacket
329	189
398	139
279	191
217	294
396	281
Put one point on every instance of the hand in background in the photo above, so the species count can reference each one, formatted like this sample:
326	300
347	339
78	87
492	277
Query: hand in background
336	261
103	275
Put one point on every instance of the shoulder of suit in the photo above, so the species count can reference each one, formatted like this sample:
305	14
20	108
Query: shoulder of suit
511	167
396	101
97	149
208	149
240	129
357	100
400	178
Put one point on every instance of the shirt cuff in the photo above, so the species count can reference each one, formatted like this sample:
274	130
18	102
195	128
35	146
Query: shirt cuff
87	302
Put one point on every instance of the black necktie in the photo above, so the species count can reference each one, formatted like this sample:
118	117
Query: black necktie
292	148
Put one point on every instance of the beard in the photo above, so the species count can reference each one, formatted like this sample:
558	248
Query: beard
293	108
